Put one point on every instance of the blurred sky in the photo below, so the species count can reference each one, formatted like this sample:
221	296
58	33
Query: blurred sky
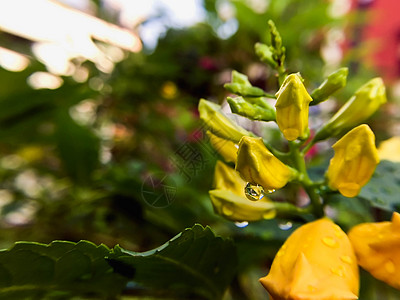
160	14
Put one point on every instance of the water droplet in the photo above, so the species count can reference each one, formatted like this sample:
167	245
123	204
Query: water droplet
337	271
227	210
311	288
338	232
280	253
390	267
285	226
241	224
330	242
347	259
254	192
270	191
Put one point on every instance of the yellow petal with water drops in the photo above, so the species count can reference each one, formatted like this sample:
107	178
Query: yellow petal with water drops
390	149
292	107
238	208
354	162
229	199
377	246
219	124
257	165
226	148
317	261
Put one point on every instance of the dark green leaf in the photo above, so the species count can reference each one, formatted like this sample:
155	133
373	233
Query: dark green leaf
195	262
383	190
59	268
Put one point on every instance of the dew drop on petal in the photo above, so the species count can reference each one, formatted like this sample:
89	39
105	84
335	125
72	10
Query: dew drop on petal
254	192
390	267
337	271
330	242
347	259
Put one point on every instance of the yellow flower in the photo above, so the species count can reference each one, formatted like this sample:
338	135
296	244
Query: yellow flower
218	123
227	149
316	262
377	247
362	105
390	149
292	108
229	200
354	161
257	165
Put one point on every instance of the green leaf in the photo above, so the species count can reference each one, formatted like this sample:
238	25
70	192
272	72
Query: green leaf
59	268
383	190
195	262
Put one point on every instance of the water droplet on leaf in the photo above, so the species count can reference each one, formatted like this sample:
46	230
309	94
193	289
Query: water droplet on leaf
241	224
285	225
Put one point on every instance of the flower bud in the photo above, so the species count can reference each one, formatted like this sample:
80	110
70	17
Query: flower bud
265	53
390	149
241	85
331	84
257	165
218	123
227	149
262	112
292	108
362	105
316	262
377	247
354	161
229	200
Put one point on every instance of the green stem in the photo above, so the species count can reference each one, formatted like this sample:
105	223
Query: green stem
272	96
288	210
281	73
308	147
308	184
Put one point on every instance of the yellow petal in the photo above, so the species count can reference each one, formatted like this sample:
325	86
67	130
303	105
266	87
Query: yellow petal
257	165
292	108
238	208
377	246
218	123
390	149
316	262
226	178
354	161
226	148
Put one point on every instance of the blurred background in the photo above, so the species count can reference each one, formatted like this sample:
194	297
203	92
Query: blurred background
99	132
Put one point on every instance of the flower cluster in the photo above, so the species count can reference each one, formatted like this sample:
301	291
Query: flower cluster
318	261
